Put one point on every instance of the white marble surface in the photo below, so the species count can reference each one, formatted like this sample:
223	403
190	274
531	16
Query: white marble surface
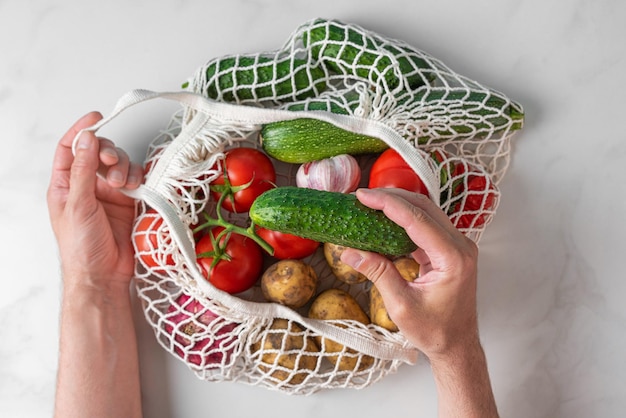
552	286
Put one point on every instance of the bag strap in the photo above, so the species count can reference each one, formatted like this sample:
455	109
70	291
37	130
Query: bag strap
208	109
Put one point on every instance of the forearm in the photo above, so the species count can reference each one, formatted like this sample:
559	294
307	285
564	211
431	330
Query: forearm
463	384
98	366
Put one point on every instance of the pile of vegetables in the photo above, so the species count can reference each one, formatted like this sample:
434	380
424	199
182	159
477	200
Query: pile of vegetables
285	226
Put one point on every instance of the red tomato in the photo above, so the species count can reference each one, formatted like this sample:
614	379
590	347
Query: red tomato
244	165
287	246
481	197
390	170
146	241
241	266
190	317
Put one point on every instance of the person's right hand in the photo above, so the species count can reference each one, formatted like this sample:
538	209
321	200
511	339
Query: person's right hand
437	311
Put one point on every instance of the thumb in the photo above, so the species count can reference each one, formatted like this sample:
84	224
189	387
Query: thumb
379	270
83	173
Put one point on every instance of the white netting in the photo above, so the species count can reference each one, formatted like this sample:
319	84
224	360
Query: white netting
453	131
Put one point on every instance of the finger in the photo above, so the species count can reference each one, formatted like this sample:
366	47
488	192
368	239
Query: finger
416	199
108	152
422	220
423	260
117	168
135	176
63	156
116	174
83	175
378	269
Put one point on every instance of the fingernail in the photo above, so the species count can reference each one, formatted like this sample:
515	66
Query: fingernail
365	191
84	141
351	258
116	176
132	180
111	152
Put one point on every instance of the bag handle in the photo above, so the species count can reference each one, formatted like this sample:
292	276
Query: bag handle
233	113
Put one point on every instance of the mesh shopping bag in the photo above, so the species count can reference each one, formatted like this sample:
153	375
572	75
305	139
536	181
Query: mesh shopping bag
453	132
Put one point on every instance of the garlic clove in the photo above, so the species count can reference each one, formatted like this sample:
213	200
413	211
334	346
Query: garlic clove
340	173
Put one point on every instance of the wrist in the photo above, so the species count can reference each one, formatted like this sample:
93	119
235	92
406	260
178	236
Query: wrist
96	292
462	352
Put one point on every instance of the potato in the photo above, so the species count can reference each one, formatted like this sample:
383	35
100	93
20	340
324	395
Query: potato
289	282
293	345
339	304
378	312
409	270
344	272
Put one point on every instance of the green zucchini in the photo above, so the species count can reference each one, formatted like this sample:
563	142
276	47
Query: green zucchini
256	78
332	217
303	140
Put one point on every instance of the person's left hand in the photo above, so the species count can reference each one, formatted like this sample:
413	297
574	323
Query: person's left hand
91	218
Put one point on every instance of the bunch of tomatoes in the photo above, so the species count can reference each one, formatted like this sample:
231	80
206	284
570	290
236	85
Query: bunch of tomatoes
231	257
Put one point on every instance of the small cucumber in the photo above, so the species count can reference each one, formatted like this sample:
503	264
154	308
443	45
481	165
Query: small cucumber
304	140
332	217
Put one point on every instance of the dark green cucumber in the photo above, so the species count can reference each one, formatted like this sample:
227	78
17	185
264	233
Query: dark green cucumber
332	217
303	140
257	78
343	103
346	50
318	105
467	113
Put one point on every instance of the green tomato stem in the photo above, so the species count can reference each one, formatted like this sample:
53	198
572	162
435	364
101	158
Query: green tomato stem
249	232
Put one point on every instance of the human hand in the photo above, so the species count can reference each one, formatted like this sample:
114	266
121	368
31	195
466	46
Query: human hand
90	216
437	311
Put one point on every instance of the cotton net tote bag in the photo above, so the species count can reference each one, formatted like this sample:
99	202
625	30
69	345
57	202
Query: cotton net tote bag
453	132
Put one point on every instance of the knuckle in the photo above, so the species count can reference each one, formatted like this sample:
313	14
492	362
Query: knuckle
375	269
465	256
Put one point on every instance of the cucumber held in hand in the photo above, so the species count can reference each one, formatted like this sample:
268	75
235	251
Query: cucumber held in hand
304	140
330	217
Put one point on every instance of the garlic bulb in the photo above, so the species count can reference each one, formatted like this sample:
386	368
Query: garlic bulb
336	174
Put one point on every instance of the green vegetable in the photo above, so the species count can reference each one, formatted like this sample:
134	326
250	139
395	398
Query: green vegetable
346	50
257	78
343	103
332	217
448	115
328	104
304	140
463	113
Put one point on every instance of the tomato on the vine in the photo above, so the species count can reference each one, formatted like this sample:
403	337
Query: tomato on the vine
231	262
146	241
288	246
250	172
391	171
